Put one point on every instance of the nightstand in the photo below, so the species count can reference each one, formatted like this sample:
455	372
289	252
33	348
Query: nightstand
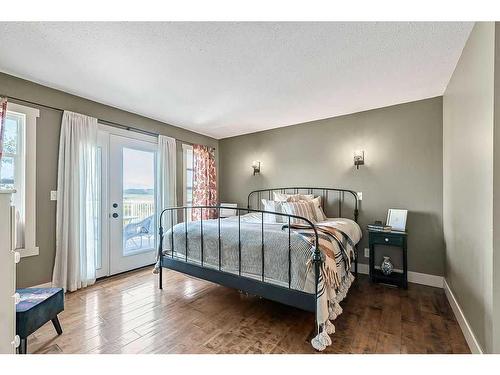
395	239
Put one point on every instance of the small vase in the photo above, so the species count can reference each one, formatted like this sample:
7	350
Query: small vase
387	266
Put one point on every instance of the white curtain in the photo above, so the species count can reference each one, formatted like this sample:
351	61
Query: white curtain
77	203
167	191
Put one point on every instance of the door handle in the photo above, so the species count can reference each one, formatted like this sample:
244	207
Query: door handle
115	215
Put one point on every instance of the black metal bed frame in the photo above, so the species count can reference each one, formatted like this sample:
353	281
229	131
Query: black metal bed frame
288	296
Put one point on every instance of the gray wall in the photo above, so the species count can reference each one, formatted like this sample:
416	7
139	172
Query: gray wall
38	269
403	152
468	109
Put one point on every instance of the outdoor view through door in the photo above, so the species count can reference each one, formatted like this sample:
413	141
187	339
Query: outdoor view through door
138	200
128	201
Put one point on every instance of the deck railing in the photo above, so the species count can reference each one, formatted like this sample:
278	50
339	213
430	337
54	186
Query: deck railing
137	210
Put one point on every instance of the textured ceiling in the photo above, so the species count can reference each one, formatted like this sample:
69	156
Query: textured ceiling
226	79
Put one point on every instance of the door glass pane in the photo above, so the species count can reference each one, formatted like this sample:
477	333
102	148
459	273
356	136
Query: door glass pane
138	201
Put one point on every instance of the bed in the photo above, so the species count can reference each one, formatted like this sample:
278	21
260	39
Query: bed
288	258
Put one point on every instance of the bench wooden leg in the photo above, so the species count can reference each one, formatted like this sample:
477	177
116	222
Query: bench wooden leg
23	346
57	325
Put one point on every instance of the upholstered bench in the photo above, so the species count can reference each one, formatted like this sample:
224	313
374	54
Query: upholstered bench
36	307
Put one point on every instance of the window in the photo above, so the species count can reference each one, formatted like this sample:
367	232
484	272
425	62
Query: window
18	172
187	158
12	170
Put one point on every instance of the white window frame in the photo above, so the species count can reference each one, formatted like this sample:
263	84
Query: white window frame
31	115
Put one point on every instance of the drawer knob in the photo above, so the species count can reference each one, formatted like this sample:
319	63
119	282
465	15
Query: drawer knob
386	239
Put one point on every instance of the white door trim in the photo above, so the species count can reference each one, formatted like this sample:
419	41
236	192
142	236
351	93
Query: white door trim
105	132
128	133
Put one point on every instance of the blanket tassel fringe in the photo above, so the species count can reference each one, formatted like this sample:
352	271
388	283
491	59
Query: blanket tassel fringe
321	341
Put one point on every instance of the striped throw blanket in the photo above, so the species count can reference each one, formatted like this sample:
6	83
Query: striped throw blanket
337	250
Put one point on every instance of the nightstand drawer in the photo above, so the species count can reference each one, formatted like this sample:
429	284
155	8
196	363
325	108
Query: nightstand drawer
386	239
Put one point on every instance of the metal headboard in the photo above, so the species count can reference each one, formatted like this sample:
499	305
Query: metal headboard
333	199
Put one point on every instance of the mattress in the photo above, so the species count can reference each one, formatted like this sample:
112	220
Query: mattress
194	242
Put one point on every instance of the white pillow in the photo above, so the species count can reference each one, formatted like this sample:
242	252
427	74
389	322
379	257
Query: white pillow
300	208
274	207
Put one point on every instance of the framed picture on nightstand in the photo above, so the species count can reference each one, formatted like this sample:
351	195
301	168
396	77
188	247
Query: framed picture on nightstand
397	219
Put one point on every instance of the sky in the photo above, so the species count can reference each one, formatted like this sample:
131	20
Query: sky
138	169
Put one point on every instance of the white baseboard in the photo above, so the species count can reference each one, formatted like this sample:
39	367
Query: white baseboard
425	279
474	346
413	277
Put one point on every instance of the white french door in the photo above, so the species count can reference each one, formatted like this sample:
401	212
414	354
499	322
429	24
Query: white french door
128	201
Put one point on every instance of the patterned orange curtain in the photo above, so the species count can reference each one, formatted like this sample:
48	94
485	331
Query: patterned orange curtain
204	182
3	114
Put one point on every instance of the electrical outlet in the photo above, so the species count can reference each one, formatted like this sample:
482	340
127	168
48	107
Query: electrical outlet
367	252
360	195
53	195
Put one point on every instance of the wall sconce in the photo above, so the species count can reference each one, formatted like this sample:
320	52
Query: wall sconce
359	158
256	167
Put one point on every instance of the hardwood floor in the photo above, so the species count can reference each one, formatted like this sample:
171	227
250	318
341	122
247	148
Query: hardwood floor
128	314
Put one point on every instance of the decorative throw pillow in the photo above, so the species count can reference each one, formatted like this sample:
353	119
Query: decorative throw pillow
301	208
319	215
